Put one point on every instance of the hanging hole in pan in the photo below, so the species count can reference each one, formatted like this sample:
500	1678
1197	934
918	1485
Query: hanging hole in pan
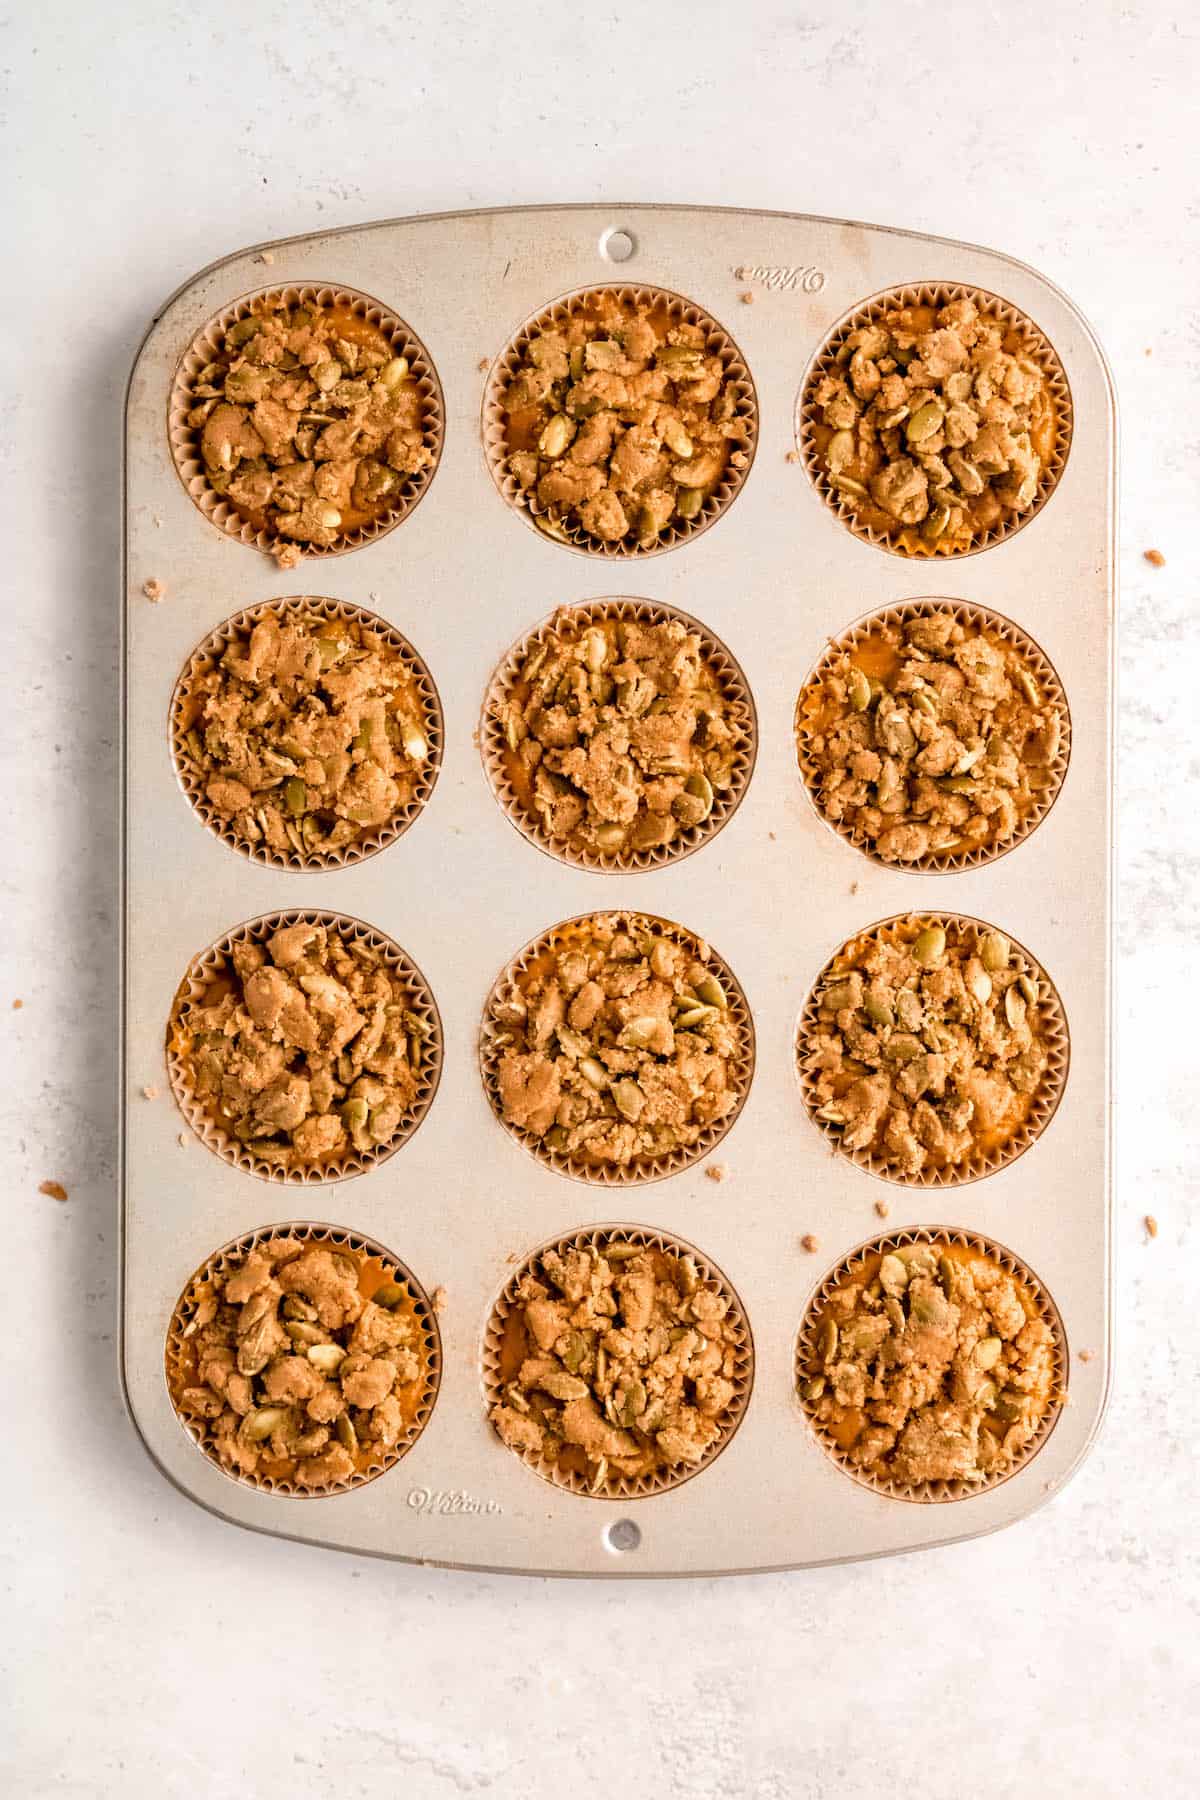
617	245
622	1537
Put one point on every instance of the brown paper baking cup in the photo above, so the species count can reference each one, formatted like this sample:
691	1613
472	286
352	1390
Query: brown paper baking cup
185	438
495	750
306	609
493	1041
932	1491
622	1487
717	343
211	964
1052	1024
337	1238
936	293
975	618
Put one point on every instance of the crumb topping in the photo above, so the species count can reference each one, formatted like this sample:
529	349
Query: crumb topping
928	1047
310	425
301	1362
618	1044
617	1360
619	735
928	738
930	1363
936	424
309	735
305	1048
622	422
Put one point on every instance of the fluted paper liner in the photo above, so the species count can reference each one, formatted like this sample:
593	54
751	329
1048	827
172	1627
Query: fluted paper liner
200	1430
493	1042
932	1491
185	438
1034	344
718	343
212	962
576	619
975	618
623	1487
1052	1030
310	610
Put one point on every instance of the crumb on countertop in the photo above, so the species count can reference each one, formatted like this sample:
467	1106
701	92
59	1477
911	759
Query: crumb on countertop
793	456
484	365
717	1171
286	555
438	1299
1086	1355
265	256
150	1092
882	1208
1151	1224
810	1242
154	589
1155	558
182	1140
53	1190
747	299
17	1005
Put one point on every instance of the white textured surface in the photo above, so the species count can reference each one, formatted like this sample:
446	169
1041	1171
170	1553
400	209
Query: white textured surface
150	1650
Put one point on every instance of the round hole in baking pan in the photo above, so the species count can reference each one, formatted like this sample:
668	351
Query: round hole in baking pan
378	1266
961	932
509	779
812	1357
208	971
184	435
859	514
325	613
505	1346
497	1038
616	244
675	309
1034	663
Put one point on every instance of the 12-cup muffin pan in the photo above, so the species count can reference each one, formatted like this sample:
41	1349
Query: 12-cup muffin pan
774	569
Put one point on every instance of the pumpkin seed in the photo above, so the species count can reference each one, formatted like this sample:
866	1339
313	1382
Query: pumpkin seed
347	1436
258	1425
1014	1007
814	1388
390	1294
620	1252
858	690
676	438
551	527
600	1476
924	423
893	1275
635	1402
994	952
609	837
556	436
688	502
394	372
1028	987
302	1333
827	1338
987	1352
709	989
594	1073
326	1357
693	1017
929	946
845	484
935	524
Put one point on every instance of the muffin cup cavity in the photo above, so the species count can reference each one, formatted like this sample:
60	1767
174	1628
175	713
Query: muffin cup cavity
211	970
326	613
378	1270
505	1340
184	434
676	310
858	512
499	751
812	1355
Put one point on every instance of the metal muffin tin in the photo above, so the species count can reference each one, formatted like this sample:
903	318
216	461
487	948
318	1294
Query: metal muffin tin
463	577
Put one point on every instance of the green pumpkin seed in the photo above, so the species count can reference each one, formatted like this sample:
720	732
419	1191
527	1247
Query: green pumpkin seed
929	946
689	502
620	1252
827	1338
676	438
878	1010
390	1294
994	952
893	1275
858	690
635	1402
709	990
1028	987
692	1017
814	1388
845	484
302	1333
594	1073
326	1357
935	524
